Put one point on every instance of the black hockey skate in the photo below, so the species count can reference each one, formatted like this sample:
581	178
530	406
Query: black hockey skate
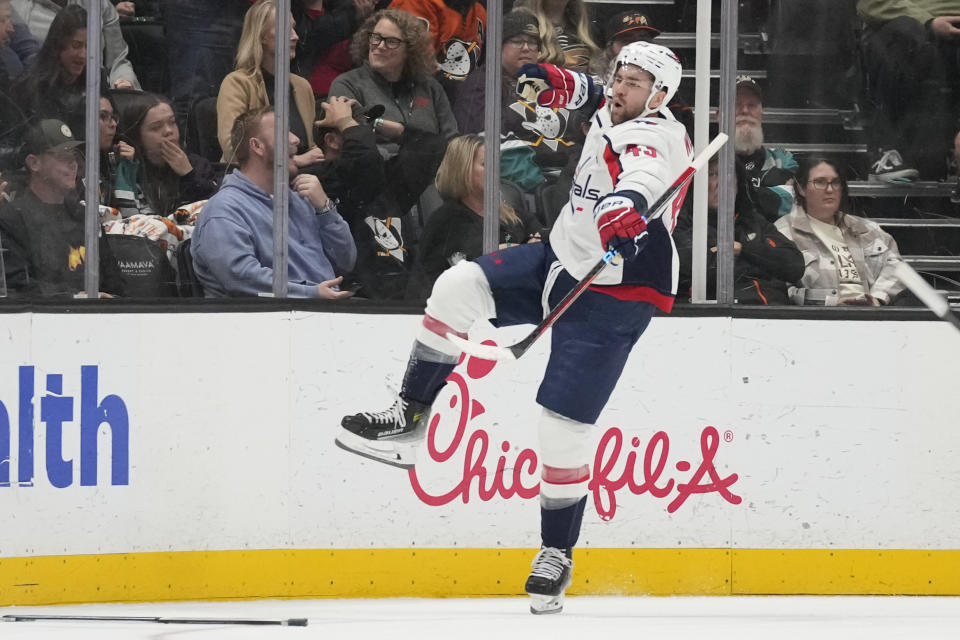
549	579
390	436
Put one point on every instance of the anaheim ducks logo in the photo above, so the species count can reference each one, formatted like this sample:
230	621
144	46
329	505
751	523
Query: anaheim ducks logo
549	125
458	57
76	257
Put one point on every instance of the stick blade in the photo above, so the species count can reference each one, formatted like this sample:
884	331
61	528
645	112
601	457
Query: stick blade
927	294
482	351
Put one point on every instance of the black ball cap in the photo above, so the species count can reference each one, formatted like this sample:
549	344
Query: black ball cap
49	136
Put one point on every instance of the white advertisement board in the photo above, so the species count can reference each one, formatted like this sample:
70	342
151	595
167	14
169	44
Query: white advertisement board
193	432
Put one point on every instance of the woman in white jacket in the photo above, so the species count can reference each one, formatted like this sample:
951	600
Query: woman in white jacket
848	259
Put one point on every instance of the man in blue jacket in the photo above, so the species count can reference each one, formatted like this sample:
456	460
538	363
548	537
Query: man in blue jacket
233	242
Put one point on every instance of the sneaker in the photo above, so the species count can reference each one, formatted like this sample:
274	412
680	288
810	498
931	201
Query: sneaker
549	578
890	168
390	436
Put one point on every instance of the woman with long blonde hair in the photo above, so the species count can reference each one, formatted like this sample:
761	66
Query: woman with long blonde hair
454	232
565	32
251	84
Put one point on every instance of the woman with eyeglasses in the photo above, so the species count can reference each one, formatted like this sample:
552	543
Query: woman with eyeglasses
565	32
549	136
111	149
848	260
251	85
396	70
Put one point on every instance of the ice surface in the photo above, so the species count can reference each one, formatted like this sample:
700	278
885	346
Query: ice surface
701	618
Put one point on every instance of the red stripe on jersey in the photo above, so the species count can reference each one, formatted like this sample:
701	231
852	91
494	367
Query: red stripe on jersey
638	294
613	163
433	325
556	475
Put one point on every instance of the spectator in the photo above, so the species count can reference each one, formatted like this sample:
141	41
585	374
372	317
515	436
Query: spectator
8	110
848	260
551	134
352	170
126	8
201	43
397	65
43	229
167	176
622	29
454	232
111	150
233	242
251	85
764	260
457	29
325	28
354	173
22	46
565	33
910	55
768	173
40	14
55	84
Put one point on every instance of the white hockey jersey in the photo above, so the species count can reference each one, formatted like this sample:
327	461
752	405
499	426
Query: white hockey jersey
644	155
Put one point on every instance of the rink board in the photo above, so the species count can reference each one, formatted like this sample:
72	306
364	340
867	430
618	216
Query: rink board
736	456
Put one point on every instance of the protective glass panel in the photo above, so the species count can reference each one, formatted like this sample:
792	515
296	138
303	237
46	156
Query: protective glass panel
376	99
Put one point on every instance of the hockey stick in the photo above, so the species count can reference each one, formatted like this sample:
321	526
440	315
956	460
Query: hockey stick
927	294
289	622
512	352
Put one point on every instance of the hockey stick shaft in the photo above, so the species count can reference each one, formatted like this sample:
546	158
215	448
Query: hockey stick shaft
655	211
927	294
289	622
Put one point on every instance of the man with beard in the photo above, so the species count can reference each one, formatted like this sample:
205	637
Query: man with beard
634	151
768	173
233	243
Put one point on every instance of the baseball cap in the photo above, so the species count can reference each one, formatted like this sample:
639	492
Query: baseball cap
518	23
746	82
627	21
49	136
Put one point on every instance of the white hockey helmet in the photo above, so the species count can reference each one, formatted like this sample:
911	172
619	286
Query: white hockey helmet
659	61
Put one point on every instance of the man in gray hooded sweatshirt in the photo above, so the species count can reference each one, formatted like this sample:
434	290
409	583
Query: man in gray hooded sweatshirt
232	246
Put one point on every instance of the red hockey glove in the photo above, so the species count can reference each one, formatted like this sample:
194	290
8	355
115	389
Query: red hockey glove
621	226
555	87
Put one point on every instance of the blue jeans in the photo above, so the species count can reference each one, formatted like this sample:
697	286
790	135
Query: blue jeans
202	37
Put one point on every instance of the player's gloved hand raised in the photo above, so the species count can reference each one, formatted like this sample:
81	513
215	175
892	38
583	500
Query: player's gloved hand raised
555	87
621	226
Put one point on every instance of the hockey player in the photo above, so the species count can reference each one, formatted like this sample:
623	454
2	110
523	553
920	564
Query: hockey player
634	151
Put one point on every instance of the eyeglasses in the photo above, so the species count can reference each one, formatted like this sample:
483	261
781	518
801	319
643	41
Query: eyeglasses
633	84
108	115
389	43
520	43
821	184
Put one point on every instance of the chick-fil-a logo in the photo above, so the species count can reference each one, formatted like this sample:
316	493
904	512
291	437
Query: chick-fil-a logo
521	478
